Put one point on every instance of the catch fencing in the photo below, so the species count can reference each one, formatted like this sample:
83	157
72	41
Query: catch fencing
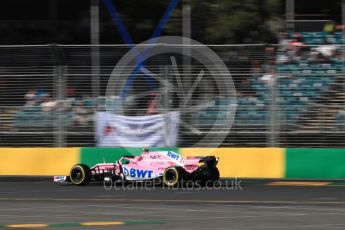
49	94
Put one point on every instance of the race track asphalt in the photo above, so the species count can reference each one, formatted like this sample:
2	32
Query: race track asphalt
252	206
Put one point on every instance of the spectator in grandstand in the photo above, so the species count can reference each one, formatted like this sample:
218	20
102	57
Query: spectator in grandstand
296	43
153	104
338	56
70	91
326	50
298	56
245	88
283	41
282	57
290	50
331	27
339	27
256	69
268	78
48	105
40	94
269	73
297	49
82	114
30	98
271	55
315	57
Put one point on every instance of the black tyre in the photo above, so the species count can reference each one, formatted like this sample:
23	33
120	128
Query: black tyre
214	174
80	174
207	175
173	176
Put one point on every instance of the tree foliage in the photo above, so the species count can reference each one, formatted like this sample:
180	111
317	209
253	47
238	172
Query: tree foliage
233	21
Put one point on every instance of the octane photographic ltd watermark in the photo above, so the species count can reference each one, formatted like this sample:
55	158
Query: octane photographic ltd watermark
188	185
190	98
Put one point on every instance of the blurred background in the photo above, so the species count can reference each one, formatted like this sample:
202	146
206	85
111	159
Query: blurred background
286	59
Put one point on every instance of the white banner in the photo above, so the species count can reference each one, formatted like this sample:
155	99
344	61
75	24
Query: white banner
137	131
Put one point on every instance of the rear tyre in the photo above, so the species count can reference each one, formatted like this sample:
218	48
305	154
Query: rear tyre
173	176
208	175
80	174
214	174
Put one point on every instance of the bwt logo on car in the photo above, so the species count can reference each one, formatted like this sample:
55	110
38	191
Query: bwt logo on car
173	155
139	173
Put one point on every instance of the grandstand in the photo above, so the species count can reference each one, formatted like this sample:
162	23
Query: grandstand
298	101
289	94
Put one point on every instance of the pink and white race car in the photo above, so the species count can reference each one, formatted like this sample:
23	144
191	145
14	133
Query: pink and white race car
168	166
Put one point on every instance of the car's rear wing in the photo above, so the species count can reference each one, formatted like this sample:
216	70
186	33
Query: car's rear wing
210	161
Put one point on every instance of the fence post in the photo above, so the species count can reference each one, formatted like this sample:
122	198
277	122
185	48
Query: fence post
59	95
60	85
274	126
290	14
95	54
272	133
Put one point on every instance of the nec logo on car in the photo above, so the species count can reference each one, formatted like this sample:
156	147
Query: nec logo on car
138	173
173	155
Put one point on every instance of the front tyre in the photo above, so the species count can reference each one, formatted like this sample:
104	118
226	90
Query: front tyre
173	176
80	174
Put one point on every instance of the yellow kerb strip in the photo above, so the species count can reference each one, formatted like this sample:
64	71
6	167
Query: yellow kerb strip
298	183
27	226
102	223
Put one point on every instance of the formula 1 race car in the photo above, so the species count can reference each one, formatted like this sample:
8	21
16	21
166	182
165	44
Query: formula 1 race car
168	166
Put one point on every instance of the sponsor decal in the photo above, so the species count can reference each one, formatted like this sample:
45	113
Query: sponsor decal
60	178
173	155
137	173
155	157
176	157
